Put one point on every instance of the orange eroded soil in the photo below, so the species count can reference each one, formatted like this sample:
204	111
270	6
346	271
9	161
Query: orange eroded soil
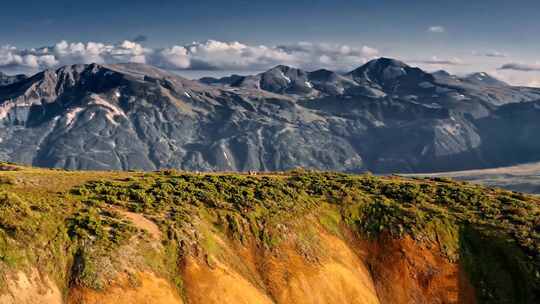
386	271
149	290
406	272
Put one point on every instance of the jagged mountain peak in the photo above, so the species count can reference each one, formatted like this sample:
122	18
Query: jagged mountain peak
378	66
136	116
384	62
379	78
483	78
280	71
283	68
227	80
392	76
323	74
280	79
133	71
49	84
441	73
95	78
139	70
386	71
285	79
72	89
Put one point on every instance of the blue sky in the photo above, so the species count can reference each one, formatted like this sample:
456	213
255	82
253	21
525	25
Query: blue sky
459	36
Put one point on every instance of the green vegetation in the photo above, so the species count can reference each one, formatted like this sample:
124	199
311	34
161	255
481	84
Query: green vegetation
468	222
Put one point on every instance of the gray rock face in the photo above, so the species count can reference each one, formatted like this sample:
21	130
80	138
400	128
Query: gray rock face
383	117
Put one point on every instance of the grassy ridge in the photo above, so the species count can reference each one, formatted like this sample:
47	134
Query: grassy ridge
494	233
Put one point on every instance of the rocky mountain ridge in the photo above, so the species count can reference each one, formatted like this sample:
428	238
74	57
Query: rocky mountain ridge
384	117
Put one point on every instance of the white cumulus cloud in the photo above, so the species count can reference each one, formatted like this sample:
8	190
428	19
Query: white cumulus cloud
211	54
175	57
436	29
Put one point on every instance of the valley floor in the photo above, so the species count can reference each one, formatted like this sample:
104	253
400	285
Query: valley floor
523	178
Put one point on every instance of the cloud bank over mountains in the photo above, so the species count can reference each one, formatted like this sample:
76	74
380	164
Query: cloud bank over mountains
523	67
235	56
208	55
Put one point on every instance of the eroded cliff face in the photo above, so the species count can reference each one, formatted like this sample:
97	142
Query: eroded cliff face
327	268
336	271
145	287
330	273
407	272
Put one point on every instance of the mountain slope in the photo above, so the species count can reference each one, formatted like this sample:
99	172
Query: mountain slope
298	237
483	79
383	117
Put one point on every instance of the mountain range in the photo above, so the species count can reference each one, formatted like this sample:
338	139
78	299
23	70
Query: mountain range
384	116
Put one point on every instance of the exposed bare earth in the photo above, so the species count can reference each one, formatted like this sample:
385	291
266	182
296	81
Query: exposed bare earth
30	288
337	271
150	289
141	222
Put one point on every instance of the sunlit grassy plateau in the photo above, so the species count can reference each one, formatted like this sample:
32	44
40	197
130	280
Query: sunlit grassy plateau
70	224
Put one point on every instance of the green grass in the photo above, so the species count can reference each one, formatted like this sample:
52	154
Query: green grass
330	219
47	214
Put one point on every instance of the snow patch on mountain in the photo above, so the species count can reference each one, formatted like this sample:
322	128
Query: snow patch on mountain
71	115
112	110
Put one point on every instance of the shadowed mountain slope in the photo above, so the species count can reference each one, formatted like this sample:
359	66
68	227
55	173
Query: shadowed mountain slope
384	117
